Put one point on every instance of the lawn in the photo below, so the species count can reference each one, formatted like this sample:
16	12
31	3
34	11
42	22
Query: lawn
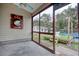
75	46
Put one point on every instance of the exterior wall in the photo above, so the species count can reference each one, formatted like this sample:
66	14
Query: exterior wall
6	33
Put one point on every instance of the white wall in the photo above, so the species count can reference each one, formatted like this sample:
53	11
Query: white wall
6	33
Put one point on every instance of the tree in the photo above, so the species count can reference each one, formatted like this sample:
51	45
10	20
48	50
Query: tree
61	22
64	16
45	21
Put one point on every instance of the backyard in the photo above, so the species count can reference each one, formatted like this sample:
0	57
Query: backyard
63	40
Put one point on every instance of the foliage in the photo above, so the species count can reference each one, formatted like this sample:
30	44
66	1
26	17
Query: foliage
36	22
62	21
44	21
64	39
62	18
46	38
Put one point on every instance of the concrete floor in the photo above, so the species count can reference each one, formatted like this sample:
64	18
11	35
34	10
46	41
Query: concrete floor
29	48
62	51
23	49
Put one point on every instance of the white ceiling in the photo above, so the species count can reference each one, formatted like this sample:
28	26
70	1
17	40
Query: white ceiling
30	7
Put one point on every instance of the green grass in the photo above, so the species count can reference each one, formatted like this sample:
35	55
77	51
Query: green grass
75	46
65	37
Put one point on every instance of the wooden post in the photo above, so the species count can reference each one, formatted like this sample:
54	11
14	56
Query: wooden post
54	29
39	28
32	28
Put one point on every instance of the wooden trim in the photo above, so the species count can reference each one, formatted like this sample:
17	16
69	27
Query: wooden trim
52	51
78	17
43	33
32	28
54	30
39	28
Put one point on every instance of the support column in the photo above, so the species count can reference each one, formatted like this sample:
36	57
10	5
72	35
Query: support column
54	29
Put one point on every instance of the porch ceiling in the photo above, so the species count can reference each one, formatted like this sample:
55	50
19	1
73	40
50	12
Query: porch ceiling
35	8
30	7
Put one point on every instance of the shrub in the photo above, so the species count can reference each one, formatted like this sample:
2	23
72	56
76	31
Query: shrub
64	39
46	38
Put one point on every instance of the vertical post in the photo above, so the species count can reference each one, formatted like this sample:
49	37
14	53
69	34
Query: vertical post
69	27
32	28
39	28
78	25
54	29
